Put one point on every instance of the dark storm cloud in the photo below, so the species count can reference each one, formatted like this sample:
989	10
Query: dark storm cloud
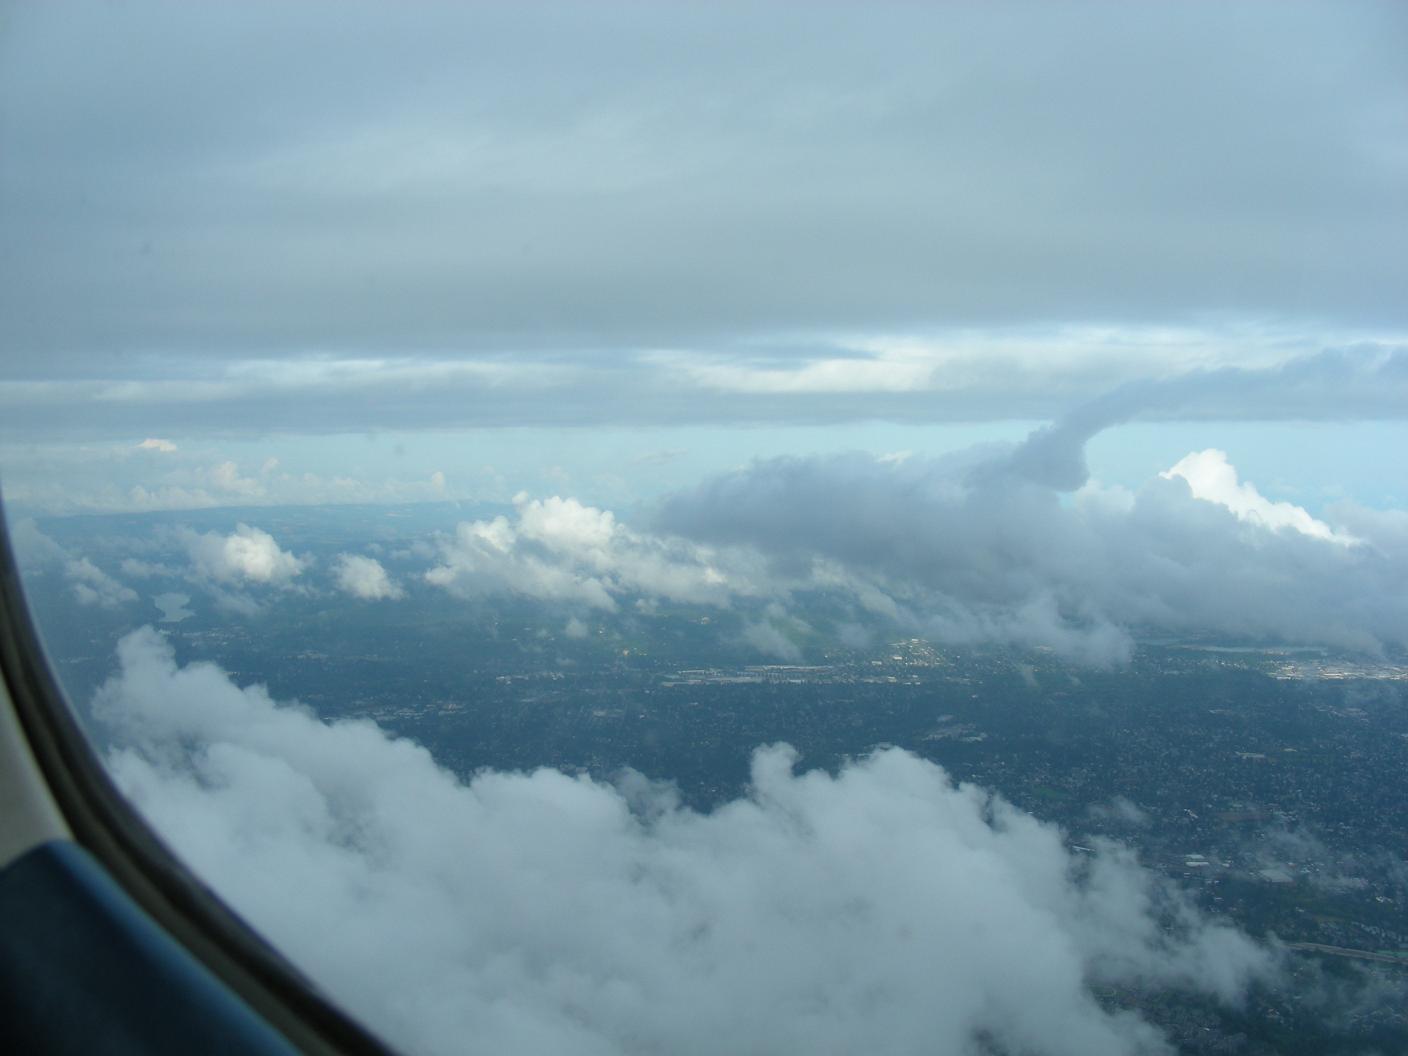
199	182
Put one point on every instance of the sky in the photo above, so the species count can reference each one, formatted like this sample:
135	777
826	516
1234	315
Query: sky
1015	324
1011	323
376	247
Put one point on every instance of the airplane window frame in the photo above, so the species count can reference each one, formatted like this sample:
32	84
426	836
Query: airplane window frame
105	825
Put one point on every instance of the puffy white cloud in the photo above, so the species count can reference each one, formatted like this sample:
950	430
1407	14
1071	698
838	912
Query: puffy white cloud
153	443
1212	478
880	909
246	555
365	577
562	550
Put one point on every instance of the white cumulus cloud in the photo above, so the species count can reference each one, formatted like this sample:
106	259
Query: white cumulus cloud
365	577
879	909
1213	478
559	549
153	443
246	555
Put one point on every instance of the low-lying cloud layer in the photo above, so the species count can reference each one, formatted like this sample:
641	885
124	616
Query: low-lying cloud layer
1001	545
880	909
1018	547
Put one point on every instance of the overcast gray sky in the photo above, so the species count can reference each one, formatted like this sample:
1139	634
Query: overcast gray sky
319	216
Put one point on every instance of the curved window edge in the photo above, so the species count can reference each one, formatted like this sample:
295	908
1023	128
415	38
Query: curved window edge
57	791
